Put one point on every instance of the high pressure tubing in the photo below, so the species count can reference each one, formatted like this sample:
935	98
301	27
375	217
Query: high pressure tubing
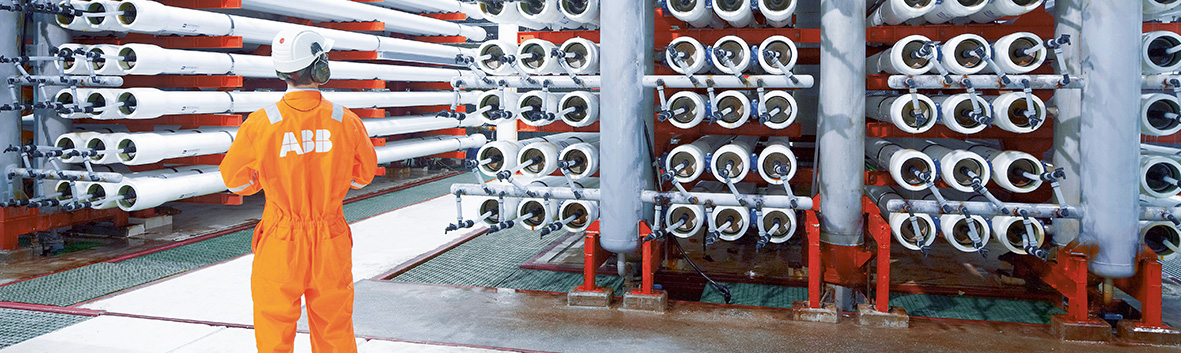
963	114
1015	171
687	162
688	109
946	11
997	9
777	53
689	219
687	55
1160	52
738	13
732	160
909	168
960	169
732	109
895	12
1160	114
579	108
147	59
426	146
581	159
696	12
1159	176
542	156
777	163
781	110
349	11
903	112
966	54
911	55
732	55
138	194
777	12
148	103
1018	53
143	16
1012	112
913	233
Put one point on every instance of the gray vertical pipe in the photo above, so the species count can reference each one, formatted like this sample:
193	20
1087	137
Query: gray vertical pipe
841	124
47	34
626	169
1109	135
1069	21
10	121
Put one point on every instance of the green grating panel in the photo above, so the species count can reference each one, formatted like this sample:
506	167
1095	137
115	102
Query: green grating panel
88	282
550	281
976	308
17	326
756	295
486	261
1172	267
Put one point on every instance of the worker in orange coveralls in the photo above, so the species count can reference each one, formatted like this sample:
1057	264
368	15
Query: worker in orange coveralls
305	152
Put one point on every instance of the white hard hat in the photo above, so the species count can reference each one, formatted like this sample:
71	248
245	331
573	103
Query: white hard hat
292	50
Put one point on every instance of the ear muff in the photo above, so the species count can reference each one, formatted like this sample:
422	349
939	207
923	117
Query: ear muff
320	71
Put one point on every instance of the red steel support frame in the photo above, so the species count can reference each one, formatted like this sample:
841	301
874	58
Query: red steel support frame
593	257
651	256
815	271
1145	286
880	231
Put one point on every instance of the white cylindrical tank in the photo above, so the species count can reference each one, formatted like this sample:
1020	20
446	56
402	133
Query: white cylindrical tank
781	109
151	147
902	163
533	57
584	213
731	55
954	165
582	55
777	48
1018	53
491	57
688	109
582	159
1009	168
902	112
148	192
687	55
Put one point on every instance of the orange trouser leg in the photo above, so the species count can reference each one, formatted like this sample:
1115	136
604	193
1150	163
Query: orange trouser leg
276	285
330	296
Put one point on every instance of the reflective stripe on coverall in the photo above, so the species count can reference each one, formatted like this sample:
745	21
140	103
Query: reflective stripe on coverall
306	153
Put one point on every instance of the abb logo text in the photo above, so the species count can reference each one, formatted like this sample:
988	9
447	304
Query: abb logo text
318	141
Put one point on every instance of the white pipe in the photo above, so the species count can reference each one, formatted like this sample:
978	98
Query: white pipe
732	109
105	103
735	154
151	17
694	214
946	11
895	12
148	103
693	157
1009	112
955	229
960	54
904	230
693	58
546	12
784	107
901	111
997	9
399	125
695	12
549	151
536	108
579	108
688	109
1018	53
349	11
1156	234
582	159
497	106
778	151
507	13
106	194
433	6
900	162
1155	170
952	163
1009	168
902	58
589	211
148	192
1011	231
736	12
533	57
1155	54
739	55
784	51
426	146
153	60
1159	114
152	147
585	12
490	57
582	55
778	13
956	112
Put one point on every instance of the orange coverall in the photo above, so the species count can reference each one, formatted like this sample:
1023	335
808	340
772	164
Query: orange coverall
306	153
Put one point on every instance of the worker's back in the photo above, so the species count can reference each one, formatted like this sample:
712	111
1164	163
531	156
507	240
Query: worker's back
307	153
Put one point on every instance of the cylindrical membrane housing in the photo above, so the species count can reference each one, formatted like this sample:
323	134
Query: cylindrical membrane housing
997	9
731	51
902	163
777	12
895	12
693	156
733	158
688	109
579	108
739	13
902	112
960	113
731	109
1160	114
533	57
687	55
695	12
955	229
777	153
1011	112
966	54
1011	232
777	49
538	108
1158	54
582	55
1155	172
905	57
952	9
781	107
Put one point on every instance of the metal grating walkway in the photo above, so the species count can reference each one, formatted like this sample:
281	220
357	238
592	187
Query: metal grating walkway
17	326
489	260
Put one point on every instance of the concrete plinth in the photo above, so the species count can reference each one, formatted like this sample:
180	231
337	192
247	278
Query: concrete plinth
867	315
1093	330
590	299
826	313
657	303
1161	336
16	255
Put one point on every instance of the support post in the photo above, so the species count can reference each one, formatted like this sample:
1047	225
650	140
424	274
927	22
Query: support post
626	126
1068	21
589	294
1109	135
841	124
10	120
